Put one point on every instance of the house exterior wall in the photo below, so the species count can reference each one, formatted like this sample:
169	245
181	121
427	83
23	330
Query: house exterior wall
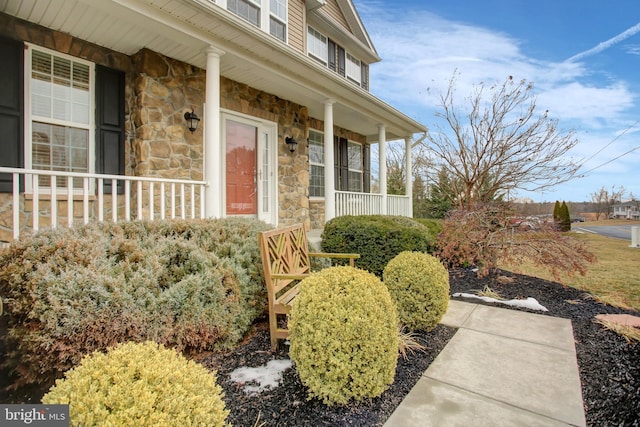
297	20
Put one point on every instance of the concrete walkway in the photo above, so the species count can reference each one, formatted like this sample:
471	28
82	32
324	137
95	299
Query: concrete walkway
501	368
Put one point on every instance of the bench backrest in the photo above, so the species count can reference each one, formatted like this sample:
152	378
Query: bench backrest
284	251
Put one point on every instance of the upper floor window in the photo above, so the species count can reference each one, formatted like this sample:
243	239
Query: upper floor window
317	45
60	117
336	58
271	19
354	69
278	19
245	9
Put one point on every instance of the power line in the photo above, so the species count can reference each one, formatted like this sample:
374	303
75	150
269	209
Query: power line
612	141
615	158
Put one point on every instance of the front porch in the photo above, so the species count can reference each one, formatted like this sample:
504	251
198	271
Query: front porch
83	197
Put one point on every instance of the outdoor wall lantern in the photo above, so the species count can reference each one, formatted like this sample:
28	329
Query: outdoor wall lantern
192	120
291	143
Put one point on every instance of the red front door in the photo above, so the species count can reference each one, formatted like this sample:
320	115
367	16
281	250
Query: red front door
241	157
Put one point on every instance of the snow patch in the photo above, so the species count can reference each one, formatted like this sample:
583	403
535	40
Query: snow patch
530	303
265	376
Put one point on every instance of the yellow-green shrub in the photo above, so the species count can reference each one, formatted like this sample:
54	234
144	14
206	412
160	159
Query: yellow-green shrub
140	385
419	286
344	335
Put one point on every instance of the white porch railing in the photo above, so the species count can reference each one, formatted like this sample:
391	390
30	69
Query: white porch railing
80	198
352	203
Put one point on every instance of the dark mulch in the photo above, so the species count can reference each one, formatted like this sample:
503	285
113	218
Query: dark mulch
609	366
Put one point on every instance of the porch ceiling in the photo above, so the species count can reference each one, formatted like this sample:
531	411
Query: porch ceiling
183	29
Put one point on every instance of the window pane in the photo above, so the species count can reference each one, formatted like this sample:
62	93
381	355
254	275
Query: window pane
354	71
278	8
277	29
355	181
316	181
59	148
246	10
355	156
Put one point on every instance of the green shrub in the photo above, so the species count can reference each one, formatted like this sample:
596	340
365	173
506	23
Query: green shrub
419	285
189	284
376	238
140	385
344	335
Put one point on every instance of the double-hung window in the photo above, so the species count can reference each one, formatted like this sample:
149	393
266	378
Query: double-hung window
317	45
316	164
278	19
354	69
246	9
354	152
271	19
60	116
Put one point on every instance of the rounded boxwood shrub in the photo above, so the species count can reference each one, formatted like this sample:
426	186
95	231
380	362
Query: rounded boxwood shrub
377	238
344	335
419	286
137	384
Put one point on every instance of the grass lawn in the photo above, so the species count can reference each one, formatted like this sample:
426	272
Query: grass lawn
614	278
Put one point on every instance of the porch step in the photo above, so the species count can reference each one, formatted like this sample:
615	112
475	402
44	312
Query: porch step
313	236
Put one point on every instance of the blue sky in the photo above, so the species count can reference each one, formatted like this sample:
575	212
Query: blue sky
583	57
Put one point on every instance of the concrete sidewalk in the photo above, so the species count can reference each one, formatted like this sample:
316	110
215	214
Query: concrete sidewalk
501	368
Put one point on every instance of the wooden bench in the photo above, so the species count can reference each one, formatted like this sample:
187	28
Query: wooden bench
285	260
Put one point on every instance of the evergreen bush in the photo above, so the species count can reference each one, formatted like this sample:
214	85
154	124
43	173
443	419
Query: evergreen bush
419	285
564	217
377	238
140	385
190	284
344	335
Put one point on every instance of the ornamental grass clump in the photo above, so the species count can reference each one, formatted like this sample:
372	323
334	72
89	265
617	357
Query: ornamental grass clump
419	285
140	384
344	335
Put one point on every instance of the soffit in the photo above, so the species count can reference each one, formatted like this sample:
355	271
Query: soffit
183	29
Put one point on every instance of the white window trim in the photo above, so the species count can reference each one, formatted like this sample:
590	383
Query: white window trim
28	118
318	164
325	58
265	14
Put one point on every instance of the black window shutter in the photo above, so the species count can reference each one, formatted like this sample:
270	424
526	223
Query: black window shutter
110	124
367	169
332	54
364	76
11	110
341	61
344	164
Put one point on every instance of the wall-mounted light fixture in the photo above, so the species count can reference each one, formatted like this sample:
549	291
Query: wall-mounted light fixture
192	120
291	143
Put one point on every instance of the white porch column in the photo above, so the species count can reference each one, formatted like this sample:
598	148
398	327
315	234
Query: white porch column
329	179
382	140
409	176
213	159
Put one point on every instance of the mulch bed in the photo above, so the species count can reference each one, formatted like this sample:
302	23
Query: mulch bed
609	366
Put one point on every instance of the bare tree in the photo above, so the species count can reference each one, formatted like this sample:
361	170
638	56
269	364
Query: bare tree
603	200
501	144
